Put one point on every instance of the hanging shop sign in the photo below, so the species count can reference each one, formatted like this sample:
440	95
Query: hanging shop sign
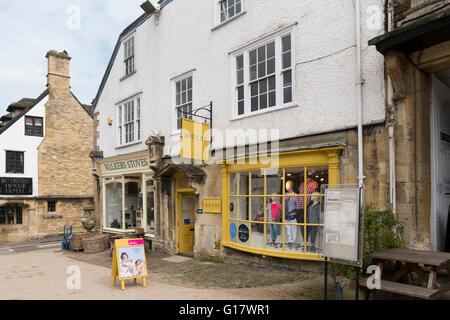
341	224
212	205
129	261
16	186
123	166
195	140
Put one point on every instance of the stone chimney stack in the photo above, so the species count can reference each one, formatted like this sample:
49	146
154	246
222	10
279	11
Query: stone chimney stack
58	76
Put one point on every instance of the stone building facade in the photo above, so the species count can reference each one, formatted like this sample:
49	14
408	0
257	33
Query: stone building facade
416	47
50	183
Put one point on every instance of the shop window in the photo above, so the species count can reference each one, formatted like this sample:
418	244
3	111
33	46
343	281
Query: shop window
51	206
132	207
114	205
277	210
11	214
150	189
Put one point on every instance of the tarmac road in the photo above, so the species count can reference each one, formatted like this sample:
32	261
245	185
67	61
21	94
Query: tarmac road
28	247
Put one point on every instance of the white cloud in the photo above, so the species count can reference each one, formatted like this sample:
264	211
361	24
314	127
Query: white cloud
31	28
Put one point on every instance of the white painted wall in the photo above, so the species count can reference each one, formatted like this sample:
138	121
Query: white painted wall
14	139
182	40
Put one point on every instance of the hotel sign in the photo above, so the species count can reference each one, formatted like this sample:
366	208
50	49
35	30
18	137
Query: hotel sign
16	186
119	166
195	139
212	205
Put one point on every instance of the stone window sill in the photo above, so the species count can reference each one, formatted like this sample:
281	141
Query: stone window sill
128	75
229	20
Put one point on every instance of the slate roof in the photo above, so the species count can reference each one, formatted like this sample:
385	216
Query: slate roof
124	33
30	106
20	105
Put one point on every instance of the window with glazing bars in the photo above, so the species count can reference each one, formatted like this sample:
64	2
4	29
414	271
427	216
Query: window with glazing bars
14	162
129	118
229	8
11	214
183	99
129	56
266	72
34	126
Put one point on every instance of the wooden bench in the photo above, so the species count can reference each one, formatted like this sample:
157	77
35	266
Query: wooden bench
403	289
427	265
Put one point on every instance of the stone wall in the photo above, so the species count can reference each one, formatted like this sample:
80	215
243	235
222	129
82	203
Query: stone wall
64	163
406	10
38	223
412	135
71	211
232	256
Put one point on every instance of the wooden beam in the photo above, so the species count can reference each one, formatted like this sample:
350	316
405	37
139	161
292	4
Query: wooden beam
433	59
396	64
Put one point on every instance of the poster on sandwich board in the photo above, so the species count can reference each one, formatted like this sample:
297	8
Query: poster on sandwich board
129	261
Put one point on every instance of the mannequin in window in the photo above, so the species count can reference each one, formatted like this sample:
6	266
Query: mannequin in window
313	217
290	207
311	187
275	216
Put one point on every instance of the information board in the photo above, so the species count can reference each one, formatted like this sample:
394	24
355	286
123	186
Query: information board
129	261
341	224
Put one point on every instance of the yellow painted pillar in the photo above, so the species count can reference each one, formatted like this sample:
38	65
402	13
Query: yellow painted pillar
225	188
333	167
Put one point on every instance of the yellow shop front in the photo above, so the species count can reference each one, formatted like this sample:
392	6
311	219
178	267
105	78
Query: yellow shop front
274	208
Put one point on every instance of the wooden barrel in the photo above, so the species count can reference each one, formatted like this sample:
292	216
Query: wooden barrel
107	243
93	244
77	241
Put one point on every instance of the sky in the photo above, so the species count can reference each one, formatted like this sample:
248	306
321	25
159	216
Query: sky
87	29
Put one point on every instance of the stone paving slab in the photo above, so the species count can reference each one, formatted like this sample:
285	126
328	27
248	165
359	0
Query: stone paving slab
177	259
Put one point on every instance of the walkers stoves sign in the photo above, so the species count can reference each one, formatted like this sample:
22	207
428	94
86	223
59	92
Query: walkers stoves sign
16	186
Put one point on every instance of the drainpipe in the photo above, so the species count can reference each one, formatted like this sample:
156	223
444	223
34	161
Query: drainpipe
359	79
391	120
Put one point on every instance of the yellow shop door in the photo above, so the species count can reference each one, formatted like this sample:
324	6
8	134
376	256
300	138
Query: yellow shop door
186	223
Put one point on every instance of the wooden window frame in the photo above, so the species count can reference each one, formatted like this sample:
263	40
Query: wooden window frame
280	85
14	168
33	130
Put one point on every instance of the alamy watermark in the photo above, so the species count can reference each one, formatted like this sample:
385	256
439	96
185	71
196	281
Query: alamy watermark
73	21
374	18
374	281
234	146
74	280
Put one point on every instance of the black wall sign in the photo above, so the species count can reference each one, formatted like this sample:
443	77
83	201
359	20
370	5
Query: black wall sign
16	186
243	233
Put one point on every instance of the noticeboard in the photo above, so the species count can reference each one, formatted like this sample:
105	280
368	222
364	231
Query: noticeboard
341	224
129	261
